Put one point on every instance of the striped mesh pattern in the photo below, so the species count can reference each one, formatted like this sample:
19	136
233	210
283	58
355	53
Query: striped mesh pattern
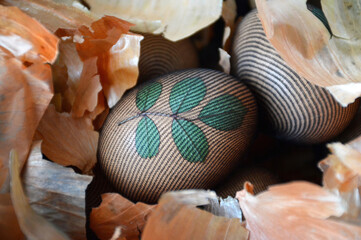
159	56
353	130
260	178
143	179
293	108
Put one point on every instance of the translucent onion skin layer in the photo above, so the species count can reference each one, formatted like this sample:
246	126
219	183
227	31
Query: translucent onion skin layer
175	19
302	40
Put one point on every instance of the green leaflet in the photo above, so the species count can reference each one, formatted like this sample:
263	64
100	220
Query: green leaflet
190	140
224	113
186	94
147	138
148	95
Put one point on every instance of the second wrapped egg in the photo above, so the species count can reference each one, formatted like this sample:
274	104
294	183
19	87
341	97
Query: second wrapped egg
291	108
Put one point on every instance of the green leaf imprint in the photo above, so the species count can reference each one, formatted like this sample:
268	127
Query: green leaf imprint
186	94
148	95
190	140
224	113
147	138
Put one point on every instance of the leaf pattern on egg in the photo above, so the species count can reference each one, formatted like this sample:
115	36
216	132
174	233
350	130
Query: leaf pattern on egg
224	113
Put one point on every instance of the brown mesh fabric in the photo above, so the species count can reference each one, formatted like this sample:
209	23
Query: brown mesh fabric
353	130
159	56
260	178
292	107
144	179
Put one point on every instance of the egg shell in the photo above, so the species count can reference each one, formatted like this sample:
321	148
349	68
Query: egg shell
184	130
353	130
159	56
291	108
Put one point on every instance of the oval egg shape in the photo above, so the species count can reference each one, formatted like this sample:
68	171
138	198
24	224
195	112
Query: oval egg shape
184	130
291	108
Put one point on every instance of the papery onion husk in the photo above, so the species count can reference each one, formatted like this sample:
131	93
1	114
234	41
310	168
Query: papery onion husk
26	88
97	64
117	53
342	175
56	193
9	226
229	13
297	210
176	217
175	19
304	42
224	60
32	225
68	141
53	15
115	212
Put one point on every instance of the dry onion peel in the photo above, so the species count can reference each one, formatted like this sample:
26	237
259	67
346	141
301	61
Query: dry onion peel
9	226
53	15
56	193
342	176
25	38
86	95
177	218
117	53
333	62
116	234
68	141
115	212
122	68
227	207
224	60
97	64
26	86
192	197
76	83
229	13
100	36
297	210
349	156
356	143
176	20
31	224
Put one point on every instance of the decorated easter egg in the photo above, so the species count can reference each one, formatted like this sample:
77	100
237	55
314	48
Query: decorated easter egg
183	130
291	108
159	56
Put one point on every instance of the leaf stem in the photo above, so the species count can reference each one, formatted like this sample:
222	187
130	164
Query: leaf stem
174	116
